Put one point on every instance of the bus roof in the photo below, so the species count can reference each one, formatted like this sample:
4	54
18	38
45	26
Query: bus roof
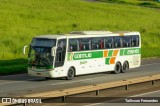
50	36
89	33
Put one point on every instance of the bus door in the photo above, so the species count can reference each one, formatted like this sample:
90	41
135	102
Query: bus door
60	53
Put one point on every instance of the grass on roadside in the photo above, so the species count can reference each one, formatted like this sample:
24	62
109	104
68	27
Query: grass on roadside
13	66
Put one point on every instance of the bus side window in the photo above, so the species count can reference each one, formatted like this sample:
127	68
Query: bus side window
102	43
96	43
85	44
108	42
73	45
117	42
126	41
135	41
62	44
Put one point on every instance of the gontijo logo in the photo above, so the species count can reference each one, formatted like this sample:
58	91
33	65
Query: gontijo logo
86	55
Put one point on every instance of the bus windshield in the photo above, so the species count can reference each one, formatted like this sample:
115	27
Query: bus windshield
40	52
42	42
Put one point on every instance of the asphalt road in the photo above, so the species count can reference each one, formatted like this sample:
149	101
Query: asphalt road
16	85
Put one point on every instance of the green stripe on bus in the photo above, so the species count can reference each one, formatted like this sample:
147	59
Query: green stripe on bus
99	54
121	52
131	51
110	53
107	61
69	54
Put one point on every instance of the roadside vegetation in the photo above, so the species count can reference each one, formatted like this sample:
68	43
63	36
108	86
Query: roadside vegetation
13	66
20	20
143	3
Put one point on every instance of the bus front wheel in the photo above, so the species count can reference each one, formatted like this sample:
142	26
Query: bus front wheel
70	74
117	68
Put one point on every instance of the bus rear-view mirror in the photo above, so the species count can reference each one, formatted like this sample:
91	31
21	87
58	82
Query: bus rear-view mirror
53	51
25	52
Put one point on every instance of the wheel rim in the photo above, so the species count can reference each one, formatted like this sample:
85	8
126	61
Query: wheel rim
118	68
70	73
125	66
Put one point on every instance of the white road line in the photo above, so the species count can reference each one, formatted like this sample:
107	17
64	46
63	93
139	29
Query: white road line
15	81
93	104
122	98
9	82
145	93
51	84
72	82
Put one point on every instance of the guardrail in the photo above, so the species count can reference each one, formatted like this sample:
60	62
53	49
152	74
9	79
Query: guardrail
96	87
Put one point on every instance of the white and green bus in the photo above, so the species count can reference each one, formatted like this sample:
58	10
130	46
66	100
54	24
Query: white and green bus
83	52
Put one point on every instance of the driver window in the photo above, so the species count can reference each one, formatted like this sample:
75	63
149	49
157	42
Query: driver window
62	44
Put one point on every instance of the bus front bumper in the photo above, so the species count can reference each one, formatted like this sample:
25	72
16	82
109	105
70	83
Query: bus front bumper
42	73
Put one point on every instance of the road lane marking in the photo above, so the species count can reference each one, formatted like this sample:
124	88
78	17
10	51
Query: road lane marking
14	81
145	93
51	84
9	82
72	82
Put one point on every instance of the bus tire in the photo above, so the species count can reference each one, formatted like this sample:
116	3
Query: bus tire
117	68
70	74
125	67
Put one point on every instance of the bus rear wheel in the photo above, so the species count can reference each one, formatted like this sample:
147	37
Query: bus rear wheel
125	67
70	74
117	68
